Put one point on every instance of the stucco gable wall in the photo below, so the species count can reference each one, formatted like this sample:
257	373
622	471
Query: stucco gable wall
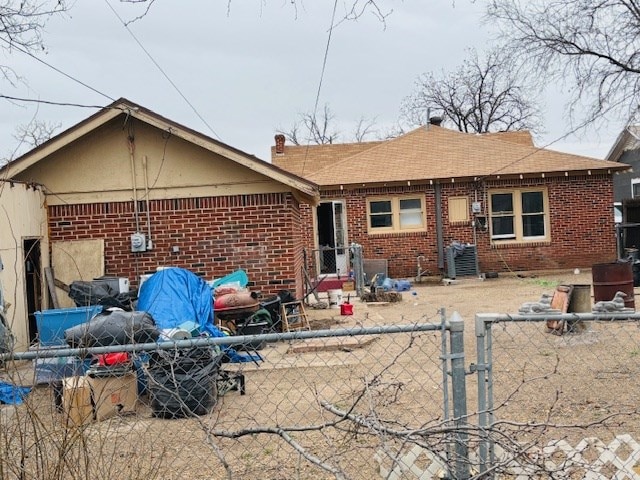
97	168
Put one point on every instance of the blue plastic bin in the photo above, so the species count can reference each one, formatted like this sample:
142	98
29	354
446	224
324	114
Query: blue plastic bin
52	323
49	370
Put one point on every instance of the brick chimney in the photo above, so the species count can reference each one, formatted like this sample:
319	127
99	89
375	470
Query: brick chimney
437	121
279	144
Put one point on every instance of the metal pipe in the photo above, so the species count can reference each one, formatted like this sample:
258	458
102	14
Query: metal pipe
225	340
459	393
439	229
146	196
481	371
130	140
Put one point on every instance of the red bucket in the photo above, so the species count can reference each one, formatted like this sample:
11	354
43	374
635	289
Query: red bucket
346	309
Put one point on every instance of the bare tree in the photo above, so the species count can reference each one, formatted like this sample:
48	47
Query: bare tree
481	95
364	128
592	47
321	128
36	132
22	24
313	127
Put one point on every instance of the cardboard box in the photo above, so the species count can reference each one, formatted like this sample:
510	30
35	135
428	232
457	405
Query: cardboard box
114	395
77	409
348	286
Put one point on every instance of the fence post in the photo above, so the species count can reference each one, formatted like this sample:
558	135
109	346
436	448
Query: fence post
459	393
358	267
481	368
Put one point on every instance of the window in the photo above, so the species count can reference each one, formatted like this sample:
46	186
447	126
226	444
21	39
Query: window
395	214
617	212
458	209
519	215
635	188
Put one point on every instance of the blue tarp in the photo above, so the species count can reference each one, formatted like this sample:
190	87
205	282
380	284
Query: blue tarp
12	394
174	295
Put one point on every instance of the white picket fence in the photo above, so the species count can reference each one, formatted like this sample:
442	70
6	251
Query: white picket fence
590	459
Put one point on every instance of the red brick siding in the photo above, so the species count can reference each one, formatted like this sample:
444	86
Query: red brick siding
215	235
582	228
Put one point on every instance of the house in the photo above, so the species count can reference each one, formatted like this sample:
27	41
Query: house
127	191
413	200
626	186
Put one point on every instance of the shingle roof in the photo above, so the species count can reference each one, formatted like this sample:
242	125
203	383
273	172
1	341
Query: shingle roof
435	153
306	159
523	137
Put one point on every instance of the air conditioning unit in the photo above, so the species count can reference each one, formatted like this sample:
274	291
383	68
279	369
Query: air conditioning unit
462	264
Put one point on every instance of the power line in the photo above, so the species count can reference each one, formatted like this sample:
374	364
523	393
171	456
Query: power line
324	65
126	26
70	77
60	104
579	127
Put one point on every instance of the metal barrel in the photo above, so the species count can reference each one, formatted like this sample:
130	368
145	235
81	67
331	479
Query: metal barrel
609	278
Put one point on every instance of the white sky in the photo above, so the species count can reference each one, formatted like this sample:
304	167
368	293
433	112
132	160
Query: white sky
254	69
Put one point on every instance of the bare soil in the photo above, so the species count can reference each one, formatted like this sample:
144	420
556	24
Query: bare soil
577	384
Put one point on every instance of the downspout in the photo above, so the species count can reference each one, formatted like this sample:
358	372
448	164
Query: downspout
133	183
439	235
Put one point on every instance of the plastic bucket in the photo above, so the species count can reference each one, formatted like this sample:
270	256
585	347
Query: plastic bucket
335	298
609	278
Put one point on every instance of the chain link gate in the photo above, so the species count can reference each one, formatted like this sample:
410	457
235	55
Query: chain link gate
557	405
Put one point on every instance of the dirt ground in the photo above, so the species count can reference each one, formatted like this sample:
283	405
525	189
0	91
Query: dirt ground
573	380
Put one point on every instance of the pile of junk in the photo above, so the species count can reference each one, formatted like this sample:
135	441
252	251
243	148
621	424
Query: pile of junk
236	309
172	304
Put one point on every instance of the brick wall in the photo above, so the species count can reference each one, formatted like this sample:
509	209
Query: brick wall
214	235
582	228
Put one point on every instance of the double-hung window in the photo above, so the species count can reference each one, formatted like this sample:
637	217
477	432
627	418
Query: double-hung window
519	215
395	214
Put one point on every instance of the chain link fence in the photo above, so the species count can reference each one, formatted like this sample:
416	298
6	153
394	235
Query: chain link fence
387	392
555	401
335	401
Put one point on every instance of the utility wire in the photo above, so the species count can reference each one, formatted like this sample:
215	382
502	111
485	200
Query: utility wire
562	137
51	102
324	65
126	26
70	77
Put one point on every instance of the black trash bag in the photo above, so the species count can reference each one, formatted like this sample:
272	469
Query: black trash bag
113	328
183	383
100	293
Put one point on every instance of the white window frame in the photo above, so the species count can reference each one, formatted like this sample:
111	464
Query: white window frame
634	182
518	236
396	214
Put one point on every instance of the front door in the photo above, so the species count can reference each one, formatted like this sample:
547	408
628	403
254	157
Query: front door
332	237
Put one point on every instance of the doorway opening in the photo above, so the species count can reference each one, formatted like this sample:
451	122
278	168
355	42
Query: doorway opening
33	283
332	238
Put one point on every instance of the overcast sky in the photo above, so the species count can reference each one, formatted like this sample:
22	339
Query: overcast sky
253	69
